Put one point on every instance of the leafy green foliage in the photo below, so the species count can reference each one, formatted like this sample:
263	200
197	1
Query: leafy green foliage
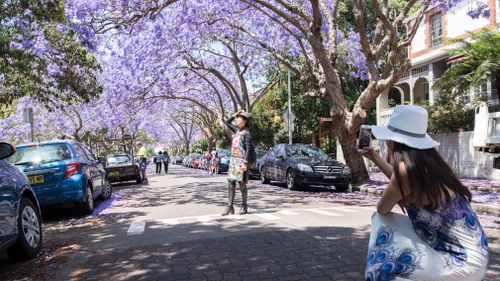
47	62
201	146
481	60
448	117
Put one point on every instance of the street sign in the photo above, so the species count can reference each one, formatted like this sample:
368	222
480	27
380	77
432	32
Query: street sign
326	119
285	120
28	115
292	125
285	117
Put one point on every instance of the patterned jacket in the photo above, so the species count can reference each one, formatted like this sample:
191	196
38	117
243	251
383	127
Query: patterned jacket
245	143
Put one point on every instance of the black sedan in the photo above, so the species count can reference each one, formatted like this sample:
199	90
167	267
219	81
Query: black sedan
298	164
121	167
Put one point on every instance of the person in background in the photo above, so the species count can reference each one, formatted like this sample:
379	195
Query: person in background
215	162
142	154
208	159
441	237
158	161
242	157
166	161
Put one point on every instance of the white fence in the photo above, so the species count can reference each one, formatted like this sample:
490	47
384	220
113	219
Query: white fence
457	150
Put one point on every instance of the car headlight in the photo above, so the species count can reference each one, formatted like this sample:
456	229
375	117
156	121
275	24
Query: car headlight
304	168
346	170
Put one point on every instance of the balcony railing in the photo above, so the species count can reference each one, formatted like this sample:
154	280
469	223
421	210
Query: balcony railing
384	117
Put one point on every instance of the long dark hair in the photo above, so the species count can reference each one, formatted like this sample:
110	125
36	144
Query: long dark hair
429	176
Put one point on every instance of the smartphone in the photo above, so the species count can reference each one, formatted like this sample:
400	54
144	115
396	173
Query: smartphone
365	136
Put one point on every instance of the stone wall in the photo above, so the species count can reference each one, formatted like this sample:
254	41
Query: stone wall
457	150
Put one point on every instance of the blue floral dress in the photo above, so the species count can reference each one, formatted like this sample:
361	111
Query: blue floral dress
444	244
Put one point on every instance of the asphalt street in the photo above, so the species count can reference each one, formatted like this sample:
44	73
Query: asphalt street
171	229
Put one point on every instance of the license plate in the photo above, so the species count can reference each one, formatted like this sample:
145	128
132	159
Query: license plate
330	177
36	179
114	174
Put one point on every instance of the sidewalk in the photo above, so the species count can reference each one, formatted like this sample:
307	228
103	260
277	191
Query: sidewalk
485	193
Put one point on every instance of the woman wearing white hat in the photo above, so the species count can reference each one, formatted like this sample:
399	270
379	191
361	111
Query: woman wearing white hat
441	238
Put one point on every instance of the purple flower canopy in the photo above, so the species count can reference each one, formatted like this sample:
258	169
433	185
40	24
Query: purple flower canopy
193	54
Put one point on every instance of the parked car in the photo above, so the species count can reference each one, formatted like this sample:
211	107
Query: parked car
254	171
176	160
195	161
224	155
298	164
121	167
63	172
20	215
186	161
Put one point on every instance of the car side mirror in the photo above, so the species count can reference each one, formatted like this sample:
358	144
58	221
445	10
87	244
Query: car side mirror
6	150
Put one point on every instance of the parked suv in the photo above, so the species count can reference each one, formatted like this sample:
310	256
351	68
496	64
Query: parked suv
63	172
20	219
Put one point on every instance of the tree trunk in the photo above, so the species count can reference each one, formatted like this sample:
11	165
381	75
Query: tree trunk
353	158
186	147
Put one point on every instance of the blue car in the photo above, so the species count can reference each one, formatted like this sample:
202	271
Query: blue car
63	172
20	220
224	155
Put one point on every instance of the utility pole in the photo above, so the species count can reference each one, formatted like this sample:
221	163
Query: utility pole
289	108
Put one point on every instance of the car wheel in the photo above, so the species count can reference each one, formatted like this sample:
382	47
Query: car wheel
342	187
263	178
291	182
29	226
107	190
88	205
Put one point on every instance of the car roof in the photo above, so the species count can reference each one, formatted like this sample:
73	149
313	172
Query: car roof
46	143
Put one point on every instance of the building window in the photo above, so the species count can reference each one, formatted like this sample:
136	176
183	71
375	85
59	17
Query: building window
436	30
426	90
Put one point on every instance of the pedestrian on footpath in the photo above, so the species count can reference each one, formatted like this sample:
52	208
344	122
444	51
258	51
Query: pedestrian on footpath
158	160
215	162
166	161
142	154
242	157
441	238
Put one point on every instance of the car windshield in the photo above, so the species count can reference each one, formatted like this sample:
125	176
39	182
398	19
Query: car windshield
305	151
40	154
119	160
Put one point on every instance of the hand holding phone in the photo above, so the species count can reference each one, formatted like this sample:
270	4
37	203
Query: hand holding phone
365	137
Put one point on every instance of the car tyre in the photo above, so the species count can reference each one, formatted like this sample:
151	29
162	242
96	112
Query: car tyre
29	225
342	187
263	178
291	182
88	205
107	190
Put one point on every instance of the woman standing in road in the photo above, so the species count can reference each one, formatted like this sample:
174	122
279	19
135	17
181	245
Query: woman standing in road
242	157
441	238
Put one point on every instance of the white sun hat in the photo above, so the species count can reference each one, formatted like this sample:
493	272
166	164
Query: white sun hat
407	125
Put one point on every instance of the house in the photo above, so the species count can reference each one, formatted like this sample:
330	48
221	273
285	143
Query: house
429	58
